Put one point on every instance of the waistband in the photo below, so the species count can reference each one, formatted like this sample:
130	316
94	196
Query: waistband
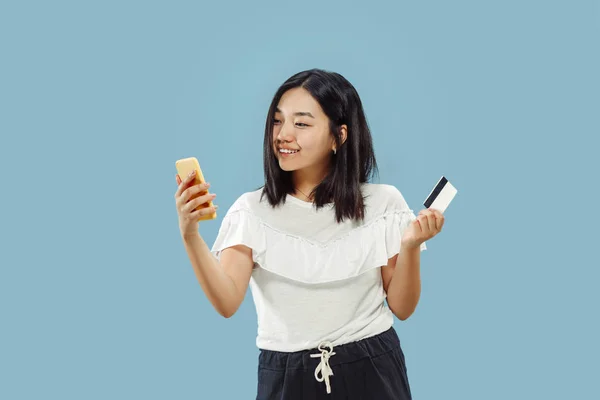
346	353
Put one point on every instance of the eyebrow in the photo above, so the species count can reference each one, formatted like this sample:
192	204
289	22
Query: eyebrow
299	113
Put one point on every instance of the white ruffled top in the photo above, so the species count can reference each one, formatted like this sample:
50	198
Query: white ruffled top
314	279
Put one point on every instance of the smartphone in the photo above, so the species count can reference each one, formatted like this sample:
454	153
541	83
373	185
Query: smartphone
184	167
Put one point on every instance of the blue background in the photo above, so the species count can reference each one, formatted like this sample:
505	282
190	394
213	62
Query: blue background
97	101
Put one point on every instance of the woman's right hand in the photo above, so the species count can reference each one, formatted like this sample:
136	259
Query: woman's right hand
188	218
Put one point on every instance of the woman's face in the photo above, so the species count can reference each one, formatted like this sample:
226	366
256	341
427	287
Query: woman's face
301	126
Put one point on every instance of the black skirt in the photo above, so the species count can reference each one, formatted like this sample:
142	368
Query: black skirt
369	369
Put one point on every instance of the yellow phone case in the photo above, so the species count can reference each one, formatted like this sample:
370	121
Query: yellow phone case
184	167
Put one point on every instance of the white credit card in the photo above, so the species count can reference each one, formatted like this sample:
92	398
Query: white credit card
441	195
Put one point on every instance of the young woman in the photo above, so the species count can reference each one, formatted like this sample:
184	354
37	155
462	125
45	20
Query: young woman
321	249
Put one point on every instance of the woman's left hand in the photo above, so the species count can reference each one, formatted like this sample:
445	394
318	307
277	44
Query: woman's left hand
428	224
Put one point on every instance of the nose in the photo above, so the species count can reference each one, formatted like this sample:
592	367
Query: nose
284	134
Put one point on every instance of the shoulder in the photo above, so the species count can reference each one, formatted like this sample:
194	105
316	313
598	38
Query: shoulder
384	197
248	201
253	204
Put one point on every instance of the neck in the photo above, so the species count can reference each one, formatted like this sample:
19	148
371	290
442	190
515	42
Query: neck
306	180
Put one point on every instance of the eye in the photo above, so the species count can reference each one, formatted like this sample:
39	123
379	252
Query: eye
300	123
276	121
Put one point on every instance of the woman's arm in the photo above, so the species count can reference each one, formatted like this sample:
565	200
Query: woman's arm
402	281
224	283
402	275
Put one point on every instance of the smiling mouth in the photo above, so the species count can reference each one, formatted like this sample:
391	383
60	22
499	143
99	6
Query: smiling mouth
286	151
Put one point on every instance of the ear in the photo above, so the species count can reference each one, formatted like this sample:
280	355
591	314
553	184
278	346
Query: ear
343	133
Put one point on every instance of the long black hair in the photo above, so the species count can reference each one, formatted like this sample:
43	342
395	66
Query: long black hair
354	162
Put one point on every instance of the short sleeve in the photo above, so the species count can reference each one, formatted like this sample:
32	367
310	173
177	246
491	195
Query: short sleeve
398	217
240	226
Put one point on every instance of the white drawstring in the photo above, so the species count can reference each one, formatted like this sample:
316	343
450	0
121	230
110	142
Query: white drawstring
323	366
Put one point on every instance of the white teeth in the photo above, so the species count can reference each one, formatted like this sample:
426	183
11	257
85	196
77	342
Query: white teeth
288	151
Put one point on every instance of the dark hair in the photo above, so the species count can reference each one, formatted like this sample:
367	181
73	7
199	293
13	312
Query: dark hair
354	161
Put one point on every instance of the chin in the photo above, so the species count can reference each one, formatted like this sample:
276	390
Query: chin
286	167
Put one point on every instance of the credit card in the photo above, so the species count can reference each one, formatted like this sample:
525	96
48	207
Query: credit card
441	195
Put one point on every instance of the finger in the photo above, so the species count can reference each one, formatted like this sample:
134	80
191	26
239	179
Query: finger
423	224
438	218
431	222
424	211
192	190
198	201
196	215
191	176
417	226
178	180
420	225
185	184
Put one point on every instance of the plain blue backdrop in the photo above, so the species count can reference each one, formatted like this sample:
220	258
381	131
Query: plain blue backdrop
98	99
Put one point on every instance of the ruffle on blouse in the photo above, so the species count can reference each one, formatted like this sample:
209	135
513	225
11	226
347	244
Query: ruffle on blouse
363	248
